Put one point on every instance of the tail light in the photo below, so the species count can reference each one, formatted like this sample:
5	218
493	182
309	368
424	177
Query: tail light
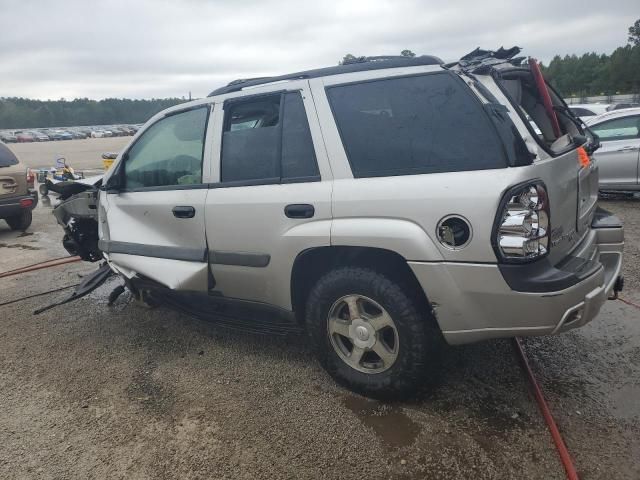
31	178
521	230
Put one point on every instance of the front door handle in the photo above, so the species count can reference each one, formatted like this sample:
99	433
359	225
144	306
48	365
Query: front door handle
628	148
299	210
184	212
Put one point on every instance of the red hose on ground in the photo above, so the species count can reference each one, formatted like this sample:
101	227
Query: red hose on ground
629	303
572	474
38	266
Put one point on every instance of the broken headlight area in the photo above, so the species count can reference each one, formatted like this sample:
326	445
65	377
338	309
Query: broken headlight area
78	215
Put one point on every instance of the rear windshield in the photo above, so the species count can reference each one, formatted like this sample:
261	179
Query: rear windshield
7	158
410	125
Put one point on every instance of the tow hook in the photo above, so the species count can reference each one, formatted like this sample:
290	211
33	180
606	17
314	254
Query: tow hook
617	287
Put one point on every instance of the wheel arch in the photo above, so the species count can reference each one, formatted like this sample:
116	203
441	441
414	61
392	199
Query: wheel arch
312	263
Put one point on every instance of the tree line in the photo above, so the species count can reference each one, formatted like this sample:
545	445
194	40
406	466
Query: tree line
593	74
16	113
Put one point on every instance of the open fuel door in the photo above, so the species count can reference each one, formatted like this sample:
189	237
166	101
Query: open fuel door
151	209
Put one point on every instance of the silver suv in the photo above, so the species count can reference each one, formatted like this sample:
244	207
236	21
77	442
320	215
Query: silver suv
384	204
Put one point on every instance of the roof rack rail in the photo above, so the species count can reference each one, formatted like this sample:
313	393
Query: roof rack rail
358	64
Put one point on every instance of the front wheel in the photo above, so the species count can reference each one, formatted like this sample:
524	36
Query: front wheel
369	333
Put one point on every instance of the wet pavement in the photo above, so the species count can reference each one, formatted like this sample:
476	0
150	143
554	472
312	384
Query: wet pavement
97	391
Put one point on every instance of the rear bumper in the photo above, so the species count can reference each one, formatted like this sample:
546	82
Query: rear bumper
11	207
478	301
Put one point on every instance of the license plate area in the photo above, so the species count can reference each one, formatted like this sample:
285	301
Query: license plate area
587	196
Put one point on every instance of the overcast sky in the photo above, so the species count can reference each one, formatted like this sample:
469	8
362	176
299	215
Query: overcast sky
154	48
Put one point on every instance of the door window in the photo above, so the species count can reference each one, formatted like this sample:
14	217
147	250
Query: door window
618	129
169	153
267	138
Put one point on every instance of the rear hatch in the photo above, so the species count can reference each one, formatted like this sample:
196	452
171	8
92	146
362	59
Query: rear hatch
13	178
569	175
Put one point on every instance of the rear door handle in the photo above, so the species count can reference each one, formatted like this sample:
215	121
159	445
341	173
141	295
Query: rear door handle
184	212
299	210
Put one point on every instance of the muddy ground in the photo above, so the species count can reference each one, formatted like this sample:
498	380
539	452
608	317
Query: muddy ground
93	391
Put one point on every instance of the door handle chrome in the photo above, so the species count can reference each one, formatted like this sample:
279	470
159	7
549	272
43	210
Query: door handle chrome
628	148
184	211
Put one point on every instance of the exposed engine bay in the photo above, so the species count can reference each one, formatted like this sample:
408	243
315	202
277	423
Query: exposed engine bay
77	213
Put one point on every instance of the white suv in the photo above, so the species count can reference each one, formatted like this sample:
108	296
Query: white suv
383	204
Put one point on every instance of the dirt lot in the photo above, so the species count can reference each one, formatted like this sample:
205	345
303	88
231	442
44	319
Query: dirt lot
80	154
92	391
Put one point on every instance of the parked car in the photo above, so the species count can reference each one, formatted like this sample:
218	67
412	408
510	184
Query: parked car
23	137
17	195
8	137
376	203
619	156
77	135
39	136
620	106
98	134
587	110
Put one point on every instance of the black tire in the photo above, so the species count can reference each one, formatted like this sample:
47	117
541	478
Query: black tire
419	340
21	221
43	189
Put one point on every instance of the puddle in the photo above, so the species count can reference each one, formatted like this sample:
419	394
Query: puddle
389	423
19	245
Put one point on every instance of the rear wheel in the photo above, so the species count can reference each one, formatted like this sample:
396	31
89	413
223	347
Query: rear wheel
21	221
369	333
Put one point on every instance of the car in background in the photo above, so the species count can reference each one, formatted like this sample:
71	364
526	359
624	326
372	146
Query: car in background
586	110
39	136
620	106
119	132
54	134
8	137
618	157
17	194
77	135
99	134
24	136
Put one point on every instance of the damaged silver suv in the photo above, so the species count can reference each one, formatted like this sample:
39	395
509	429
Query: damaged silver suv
383	204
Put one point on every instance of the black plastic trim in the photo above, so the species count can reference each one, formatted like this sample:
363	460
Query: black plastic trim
542	277
164	188
156	251
377	64
239	259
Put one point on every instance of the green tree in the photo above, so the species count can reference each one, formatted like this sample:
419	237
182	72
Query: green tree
634	33
407	53
347	59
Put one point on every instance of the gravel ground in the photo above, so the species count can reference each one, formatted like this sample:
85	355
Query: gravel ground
97	391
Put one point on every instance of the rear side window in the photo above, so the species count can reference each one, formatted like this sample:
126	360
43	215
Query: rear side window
267	138
7	158
411	125
618	129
